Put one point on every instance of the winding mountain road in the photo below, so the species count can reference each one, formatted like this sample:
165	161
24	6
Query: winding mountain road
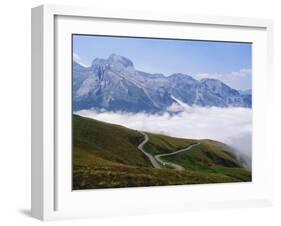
176	166
151	158
155	160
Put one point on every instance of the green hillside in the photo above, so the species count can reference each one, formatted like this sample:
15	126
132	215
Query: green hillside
107	141
210	156
107	156
159	144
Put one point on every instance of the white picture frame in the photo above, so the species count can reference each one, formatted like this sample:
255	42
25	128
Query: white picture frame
48	184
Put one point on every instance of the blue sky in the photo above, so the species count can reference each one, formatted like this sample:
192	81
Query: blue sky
226	61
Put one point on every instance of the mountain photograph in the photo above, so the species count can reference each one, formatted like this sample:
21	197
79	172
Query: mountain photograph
156	112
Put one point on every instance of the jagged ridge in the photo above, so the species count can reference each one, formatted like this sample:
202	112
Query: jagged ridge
114	84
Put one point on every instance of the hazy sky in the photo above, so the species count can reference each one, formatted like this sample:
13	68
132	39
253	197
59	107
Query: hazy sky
228	62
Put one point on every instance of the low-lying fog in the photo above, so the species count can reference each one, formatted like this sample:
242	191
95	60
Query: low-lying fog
232	126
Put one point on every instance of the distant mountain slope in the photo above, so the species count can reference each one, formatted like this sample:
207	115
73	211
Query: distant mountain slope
245	92
114	84
106	155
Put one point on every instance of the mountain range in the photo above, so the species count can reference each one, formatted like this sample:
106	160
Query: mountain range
113	84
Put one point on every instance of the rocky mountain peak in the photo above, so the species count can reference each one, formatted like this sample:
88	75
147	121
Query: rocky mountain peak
113	84
115	59
98	62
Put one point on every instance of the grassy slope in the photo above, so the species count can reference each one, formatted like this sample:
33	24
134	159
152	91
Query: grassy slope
106	155
159	144
108	141
210	156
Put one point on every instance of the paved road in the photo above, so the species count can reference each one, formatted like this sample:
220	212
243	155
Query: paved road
151	158
176	166
155	160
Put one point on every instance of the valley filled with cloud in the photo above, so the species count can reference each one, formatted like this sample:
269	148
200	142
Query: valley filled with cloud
232	126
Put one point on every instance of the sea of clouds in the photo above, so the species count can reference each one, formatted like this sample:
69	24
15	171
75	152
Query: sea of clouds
232	126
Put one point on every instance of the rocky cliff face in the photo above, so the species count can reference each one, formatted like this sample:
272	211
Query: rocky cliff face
114	84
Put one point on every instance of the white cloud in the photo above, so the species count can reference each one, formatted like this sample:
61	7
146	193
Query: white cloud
76	57
240	80
232	126
174	107
79	60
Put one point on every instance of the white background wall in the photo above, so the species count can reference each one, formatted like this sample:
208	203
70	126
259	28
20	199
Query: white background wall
15	112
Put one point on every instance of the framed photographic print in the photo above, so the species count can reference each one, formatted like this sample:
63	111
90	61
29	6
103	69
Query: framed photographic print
137	112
